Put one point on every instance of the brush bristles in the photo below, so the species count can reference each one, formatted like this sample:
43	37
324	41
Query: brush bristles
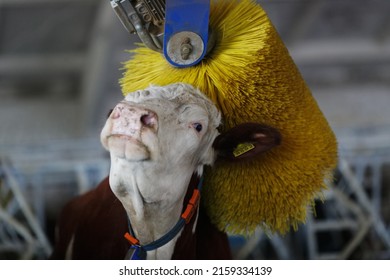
250	76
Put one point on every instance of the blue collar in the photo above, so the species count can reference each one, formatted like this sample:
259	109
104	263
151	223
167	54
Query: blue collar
138	251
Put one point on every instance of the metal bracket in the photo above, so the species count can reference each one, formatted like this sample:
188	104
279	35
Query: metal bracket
186	31
144	17
178	28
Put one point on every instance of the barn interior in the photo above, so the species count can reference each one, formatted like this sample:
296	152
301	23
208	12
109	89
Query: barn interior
60	61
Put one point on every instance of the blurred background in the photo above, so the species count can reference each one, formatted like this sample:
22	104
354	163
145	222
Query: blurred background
60	63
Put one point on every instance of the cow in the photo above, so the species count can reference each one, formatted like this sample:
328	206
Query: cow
159	140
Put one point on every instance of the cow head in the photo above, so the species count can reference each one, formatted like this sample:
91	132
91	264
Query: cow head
167	126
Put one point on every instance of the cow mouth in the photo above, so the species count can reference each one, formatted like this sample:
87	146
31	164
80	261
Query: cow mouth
128	147
126	137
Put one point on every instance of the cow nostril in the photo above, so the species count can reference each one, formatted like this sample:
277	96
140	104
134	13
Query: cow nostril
109	113
114	114
149	120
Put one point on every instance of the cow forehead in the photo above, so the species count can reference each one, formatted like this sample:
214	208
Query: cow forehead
179	94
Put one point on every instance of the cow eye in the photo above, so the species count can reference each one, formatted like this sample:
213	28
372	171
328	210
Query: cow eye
198	127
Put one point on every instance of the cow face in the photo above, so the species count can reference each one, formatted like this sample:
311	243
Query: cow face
173	125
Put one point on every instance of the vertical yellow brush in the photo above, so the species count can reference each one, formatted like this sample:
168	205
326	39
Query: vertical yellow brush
251	78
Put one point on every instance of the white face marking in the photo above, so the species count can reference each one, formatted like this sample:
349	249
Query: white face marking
157	139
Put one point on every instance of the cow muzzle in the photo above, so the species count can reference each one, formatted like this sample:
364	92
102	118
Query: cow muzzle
129	131
131	120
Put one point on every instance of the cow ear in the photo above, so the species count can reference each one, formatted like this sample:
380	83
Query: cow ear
245	141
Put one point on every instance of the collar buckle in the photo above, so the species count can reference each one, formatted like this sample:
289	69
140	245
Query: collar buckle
192	206
132	240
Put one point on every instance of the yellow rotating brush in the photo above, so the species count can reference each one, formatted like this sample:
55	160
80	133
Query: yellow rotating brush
251	78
